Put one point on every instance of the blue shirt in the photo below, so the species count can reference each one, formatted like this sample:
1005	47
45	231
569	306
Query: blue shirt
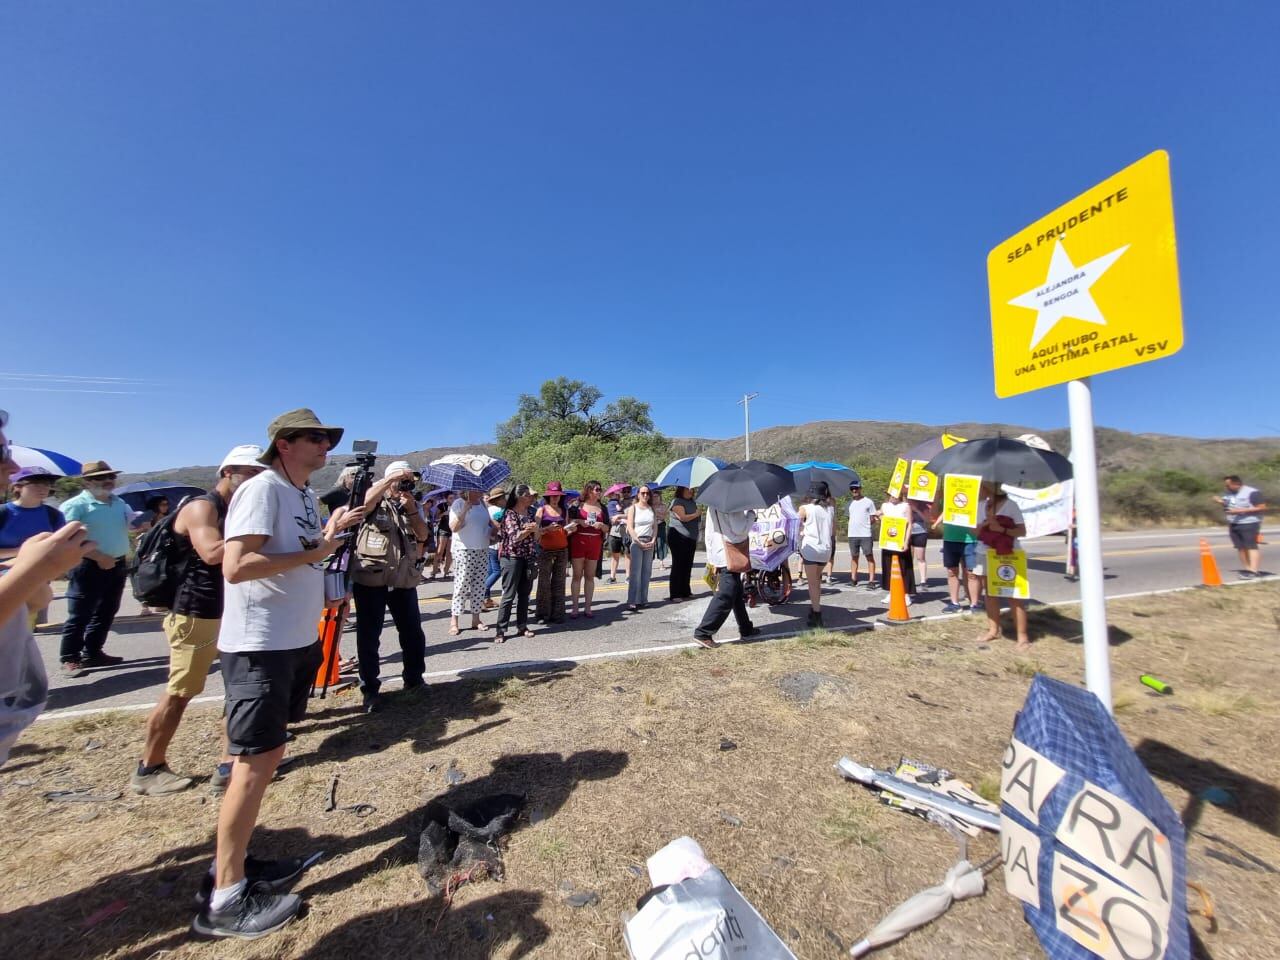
23	523
107	523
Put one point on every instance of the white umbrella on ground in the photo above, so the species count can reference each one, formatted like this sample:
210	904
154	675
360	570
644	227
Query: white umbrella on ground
962	881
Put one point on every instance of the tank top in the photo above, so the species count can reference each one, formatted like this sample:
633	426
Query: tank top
815	543
642	521
200	592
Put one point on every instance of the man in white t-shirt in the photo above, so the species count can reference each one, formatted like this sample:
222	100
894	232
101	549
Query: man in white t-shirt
273	560
862	510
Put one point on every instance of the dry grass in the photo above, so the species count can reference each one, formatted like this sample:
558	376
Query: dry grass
619	757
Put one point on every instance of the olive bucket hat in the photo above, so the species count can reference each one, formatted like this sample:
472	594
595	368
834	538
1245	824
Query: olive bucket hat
296	421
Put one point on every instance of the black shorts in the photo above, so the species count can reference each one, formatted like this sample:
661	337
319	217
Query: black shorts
1244	536
920	539
265	693
616	544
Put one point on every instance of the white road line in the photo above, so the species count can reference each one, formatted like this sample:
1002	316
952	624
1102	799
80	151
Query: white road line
509	668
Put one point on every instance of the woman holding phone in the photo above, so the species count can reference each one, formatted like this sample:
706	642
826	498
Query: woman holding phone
642	527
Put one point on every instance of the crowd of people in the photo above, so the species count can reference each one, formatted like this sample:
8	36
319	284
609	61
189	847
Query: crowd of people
256	548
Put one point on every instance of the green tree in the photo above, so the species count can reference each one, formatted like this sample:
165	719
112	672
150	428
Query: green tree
561	434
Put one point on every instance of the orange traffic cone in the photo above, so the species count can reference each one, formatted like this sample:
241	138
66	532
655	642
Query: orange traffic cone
1209	575
897	596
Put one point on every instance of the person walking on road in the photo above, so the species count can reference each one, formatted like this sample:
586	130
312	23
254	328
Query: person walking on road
642	529
386	568
95	586
554	528
518	555
272	561
816	537
586	546
862	510
470	523
191	626
734	527
682	536
1244	506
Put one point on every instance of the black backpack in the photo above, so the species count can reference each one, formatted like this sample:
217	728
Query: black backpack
160	563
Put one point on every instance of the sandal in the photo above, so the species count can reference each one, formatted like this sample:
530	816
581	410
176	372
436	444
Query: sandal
589	615
500	639
527	633
454	631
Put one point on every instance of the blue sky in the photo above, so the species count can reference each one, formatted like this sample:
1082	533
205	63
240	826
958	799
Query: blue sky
405	214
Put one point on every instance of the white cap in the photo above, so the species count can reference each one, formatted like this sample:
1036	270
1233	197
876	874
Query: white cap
397	465
245	455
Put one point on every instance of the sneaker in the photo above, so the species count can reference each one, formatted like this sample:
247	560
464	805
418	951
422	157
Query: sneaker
255	913
815	619
371	703
747	633
101	659
950	607
708	642
910	602
1247	575
221	777
613	579
72	669
273	876
973	610
885	599
158	782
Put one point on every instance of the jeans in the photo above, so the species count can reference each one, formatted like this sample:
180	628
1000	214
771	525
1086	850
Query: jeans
660	547
682	549
551	567
517	584
371	606
638	573
728	598
93	598
495	571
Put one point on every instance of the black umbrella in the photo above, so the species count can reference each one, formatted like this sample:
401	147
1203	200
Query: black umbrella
137	494
1003	460
753	485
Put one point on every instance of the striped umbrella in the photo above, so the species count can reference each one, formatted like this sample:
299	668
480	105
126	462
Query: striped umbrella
689	471
53	464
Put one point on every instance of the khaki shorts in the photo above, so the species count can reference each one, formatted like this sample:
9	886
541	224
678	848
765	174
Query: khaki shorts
193	646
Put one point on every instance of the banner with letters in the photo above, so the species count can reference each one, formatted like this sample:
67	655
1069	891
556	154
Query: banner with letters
1007	575
1046	511
1091	847
894	533
960	493
923	484
899	477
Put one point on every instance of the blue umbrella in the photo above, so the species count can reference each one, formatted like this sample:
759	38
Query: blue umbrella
689	471
1091	847
50	463
836	476
467	471
137	494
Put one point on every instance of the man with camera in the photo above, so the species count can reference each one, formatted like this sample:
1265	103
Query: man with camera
386	568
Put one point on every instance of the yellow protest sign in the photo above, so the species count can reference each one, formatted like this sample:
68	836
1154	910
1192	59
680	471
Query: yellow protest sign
923	485
1007	575
1091	287
894	533
899	477
960	493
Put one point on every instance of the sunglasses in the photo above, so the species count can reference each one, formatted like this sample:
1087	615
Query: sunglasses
311	436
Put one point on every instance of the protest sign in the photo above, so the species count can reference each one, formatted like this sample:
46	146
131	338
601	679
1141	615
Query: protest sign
899	477
960	493
1007	575
923	485
1046	511
894	533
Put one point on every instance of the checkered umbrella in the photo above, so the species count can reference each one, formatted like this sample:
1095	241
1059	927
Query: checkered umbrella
467	471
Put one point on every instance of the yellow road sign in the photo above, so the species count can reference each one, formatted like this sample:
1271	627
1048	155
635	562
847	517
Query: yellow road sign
1091	287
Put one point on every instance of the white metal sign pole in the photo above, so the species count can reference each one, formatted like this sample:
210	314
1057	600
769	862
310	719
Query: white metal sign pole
1093	603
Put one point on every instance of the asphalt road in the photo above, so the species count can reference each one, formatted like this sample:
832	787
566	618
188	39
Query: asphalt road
1136	562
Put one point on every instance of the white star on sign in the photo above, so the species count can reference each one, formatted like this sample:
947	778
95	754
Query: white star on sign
1065	291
